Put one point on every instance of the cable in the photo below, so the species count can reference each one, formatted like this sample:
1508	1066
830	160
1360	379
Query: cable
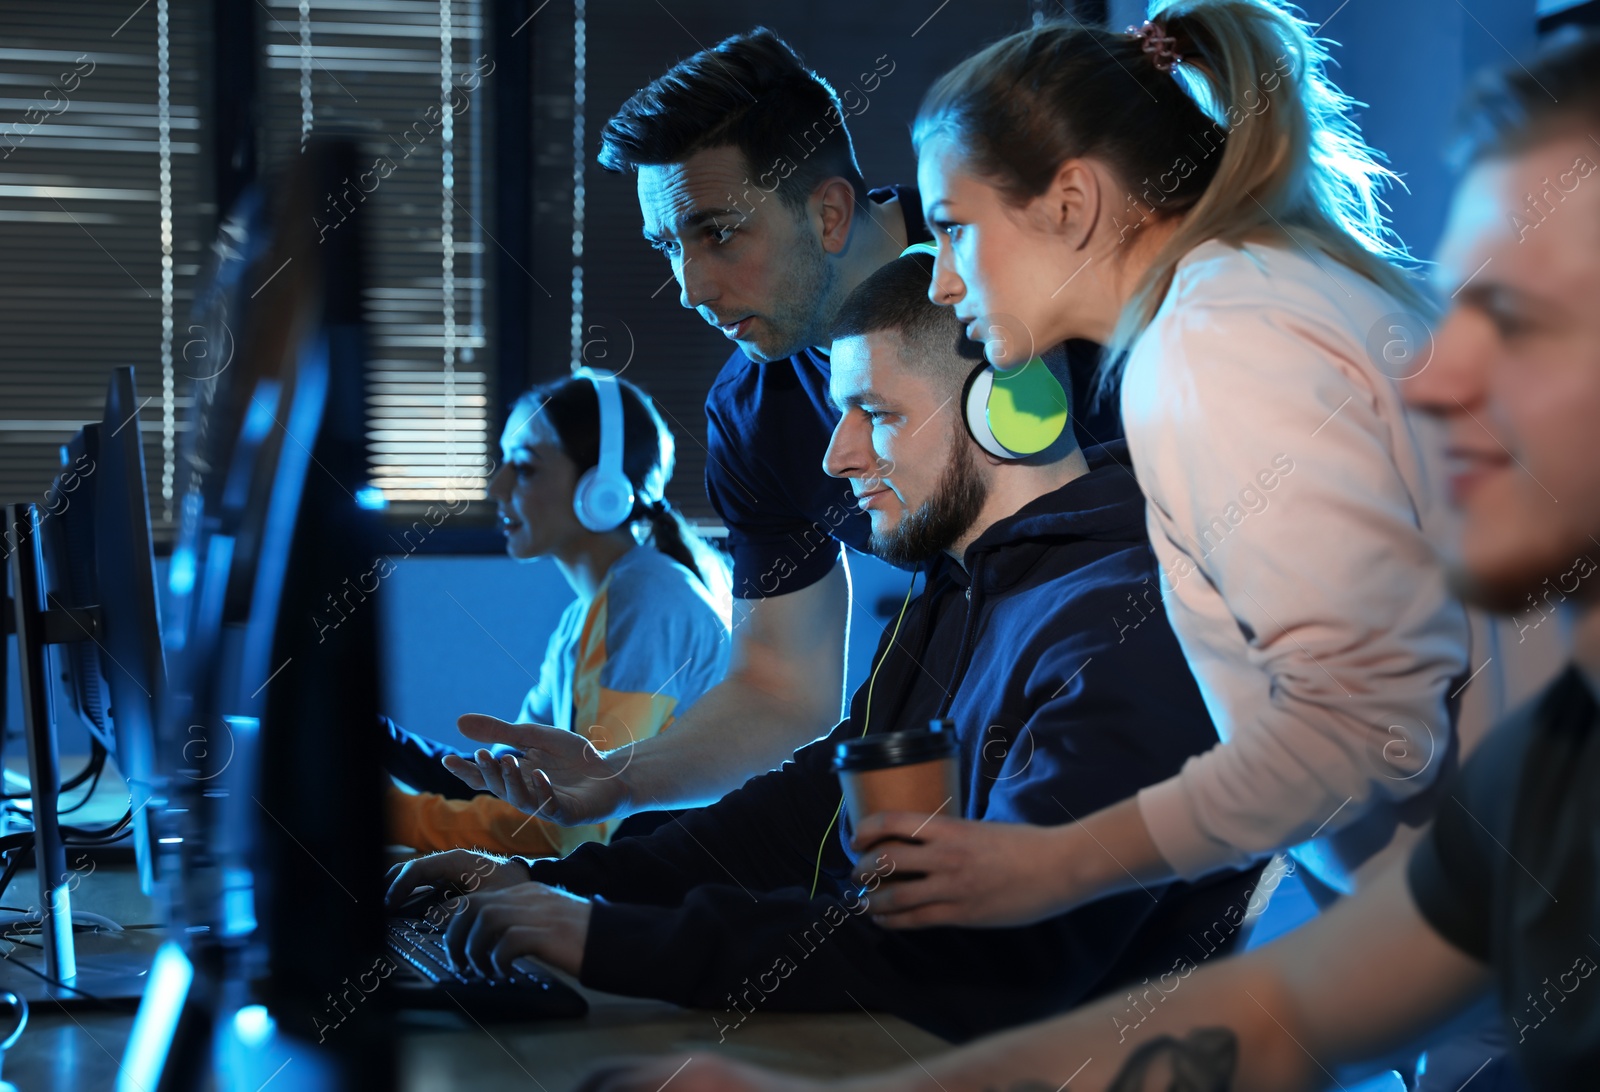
33	919
83	833
866	723
56	982
94	783
96	763
91	768
76	836
72	836
91	926
19	845
12	864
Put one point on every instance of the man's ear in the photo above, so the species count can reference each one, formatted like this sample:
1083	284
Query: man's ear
834	201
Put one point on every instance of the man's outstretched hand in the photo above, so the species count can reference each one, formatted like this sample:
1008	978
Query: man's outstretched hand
559	775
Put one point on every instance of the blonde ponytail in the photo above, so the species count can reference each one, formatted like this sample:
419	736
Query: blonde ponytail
1293	167
1246	139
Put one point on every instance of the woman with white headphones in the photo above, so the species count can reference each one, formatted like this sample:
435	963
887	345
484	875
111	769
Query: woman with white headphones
586	461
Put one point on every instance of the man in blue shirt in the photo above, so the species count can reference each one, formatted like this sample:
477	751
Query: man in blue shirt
748	184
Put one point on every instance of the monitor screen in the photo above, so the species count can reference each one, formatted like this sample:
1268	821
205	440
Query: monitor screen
95	527
269	526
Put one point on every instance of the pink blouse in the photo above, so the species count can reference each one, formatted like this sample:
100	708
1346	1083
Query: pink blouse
1290	507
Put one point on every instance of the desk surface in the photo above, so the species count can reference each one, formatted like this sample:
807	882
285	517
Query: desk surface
79	1050
555	1056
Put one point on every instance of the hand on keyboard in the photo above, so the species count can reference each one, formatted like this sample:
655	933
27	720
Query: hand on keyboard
491	930
444	879
423	948
427	981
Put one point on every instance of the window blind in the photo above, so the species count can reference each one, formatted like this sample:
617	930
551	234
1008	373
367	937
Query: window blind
408	79
100	212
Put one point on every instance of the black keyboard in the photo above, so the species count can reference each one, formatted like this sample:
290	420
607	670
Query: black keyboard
426	981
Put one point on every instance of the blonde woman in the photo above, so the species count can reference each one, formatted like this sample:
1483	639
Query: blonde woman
1194	195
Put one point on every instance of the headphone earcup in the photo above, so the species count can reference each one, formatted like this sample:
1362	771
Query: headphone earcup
602	502
975	411
603	498
1018	412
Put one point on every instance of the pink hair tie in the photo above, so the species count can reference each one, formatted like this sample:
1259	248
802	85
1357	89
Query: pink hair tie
1162	48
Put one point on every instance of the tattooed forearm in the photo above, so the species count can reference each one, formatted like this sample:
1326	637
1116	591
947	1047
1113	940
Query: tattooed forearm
1204	1061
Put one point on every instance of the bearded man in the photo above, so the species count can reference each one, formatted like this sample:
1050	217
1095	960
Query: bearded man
1027	638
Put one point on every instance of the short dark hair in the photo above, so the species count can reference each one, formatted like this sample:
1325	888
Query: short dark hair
895	297
751	92
1510	109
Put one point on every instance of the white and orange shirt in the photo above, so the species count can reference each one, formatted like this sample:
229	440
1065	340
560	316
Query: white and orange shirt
619	668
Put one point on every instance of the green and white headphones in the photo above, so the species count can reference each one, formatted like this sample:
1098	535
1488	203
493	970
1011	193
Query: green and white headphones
1011	413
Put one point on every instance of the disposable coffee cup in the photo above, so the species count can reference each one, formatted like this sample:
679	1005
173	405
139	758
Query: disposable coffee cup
915	771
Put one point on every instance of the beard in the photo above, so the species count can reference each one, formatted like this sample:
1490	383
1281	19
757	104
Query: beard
940	521
802	312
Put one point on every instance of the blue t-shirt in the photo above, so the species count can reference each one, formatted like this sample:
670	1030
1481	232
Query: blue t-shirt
767	429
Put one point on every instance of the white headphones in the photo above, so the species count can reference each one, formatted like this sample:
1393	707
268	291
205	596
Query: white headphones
604	497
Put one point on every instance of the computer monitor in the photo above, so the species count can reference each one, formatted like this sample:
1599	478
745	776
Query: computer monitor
84	609
98	552
280	890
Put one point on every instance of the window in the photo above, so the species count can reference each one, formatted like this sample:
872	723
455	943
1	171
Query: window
100	221
106	219
407	78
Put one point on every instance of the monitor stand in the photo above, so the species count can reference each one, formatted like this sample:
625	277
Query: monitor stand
113	971
109	975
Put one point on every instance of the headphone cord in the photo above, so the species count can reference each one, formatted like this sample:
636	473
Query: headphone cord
866	723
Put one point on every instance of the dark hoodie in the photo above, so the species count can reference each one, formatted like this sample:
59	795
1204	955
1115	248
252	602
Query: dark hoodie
1052	654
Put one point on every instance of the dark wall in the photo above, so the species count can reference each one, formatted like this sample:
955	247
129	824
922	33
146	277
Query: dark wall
1410	64
628	297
